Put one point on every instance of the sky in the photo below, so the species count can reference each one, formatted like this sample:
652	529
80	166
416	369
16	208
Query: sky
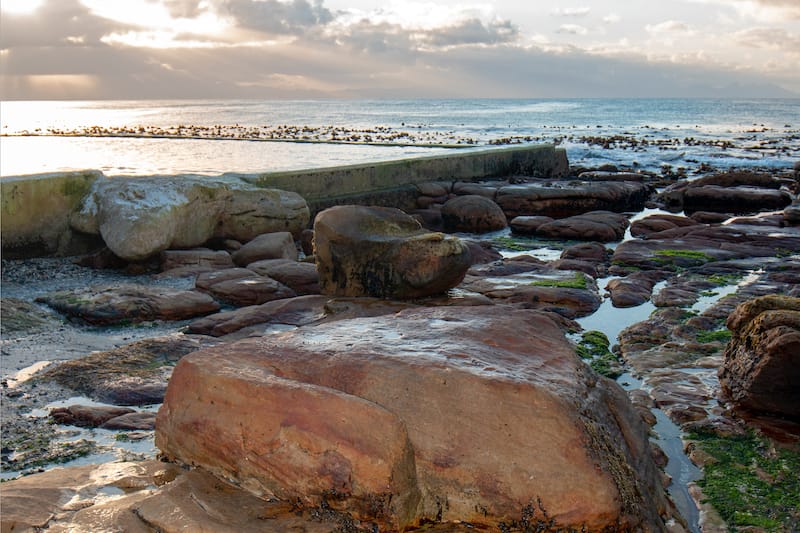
165	49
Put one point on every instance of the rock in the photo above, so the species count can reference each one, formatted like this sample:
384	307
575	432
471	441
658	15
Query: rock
142	216
291	311
302	278
610	176
18	318
86	416
762	361
433	189
739	178
474	214
602	226
707	217
198	258
134	374
594	252
307	241
791	214
569	198
734	199
576	264
465	410
241	287
139	421
130	303
382	252
268	246
634	289
101	259
660	222
486	190
482	252
527	225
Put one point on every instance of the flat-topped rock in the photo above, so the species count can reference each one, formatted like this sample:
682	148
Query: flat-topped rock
487	409
600	226
562	199
382	252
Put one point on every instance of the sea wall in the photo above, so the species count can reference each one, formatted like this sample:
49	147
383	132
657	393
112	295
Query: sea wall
392	182
36	209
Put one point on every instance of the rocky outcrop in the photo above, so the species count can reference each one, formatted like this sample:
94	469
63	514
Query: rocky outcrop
480	415
382	252
139	217
569	198
130	303
762	361
600	226
473	213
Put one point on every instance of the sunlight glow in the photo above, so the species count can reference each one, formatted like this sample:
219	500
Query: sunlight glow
20	7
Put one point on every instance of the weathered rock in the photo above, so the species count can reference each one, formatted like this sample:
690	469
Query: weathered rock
762	361
660	222
291	311
791	214
570	198
302	278
433	188
199	259
707	217
527	225
241	287
576	264
134	374
739	178
473	213
482	252
485	409
382	252
599	175
130	303
734	199
478	189
18	317
594	252
602	226
87	416
634	289
139	217
267	246
139	421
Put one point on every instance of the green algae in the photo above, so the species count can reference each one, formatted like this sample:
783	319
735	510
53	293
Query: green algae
577	281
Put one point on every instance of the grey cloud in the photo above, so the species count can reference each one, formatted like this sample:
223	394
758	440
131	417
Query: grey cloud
183	8
473	31
275	16
770	38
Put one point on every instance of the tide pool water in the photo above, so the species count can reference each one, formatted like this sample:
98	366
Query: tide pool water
211	137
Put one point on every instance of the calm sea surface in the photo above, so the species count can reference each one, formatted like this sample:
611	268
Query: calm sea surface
212	137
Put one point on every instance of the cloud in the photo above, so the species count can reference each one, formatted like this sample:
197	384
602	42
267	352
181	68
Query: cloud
612	18
276	17
761	10
669	26
572	29
571	11
769	38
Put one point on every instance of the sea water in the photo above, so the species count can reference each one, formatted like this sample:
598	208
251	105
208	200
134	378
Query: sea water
139	137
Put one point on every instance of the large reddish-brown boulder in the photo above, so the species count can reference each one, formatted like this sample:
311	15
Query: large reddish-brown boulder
382	252
762	360
479	415
473	213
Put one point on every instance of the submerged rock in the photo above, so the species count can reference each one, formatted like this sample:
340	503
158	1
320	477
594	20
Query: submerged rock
382	252
483	415
762	360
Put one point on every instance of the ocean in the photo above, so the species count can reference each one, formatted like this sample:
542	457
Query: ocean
212	137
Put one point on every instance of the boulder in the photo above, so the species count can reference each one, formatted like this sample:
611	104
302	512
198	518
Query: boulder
734	199
267	246
569	198
302	278
142	216
762	360
601	226
241	287
659	222
104	305
634	289
480	415
474	214
527	225
594	252
382	252
87	416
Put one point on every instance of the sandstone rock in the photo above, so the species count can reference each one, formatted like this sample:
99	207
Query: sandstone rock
87	416
527	225
241	287
267	246
199	258
291	311
141	421
599	175
660	222
482	252
734	199
602	226
433	188
738	178
474	214
302	278
707	217
130	303
486	409
488	191
762	361
634	289
791	214
576	264
594	252
569	198
382	252
139	217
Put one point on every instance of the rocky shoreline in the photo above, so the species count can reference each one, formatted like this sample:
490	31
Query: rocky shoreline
330	330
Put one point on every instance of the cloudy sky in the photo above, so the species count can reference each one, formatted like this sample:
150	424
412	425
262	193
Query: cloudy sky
126	49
